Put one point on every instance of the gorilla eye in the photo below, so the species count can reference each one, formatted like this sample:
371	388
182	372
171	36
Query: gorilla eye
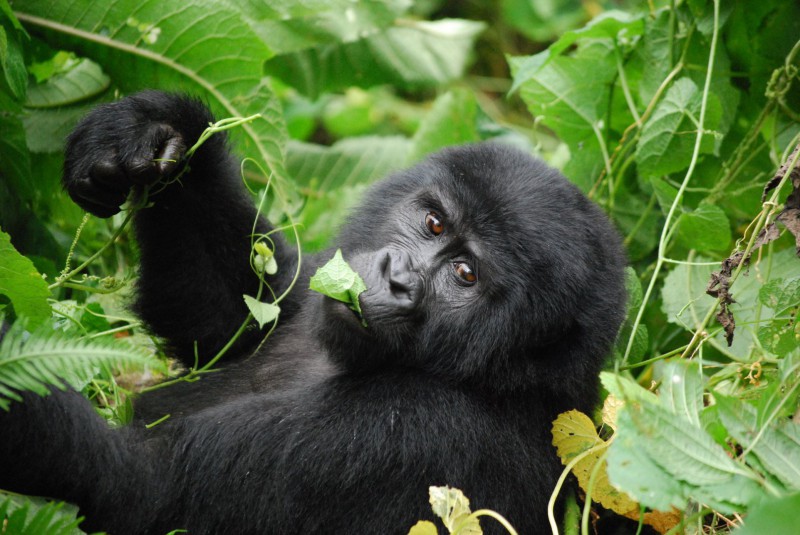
465	273
434	224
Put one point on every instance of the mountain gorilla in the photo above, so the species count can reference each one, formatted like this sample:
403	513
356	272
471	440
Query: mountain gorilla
495	289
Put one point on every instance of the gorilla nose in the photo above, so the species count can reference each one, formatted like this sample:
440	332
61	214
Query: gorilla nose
398	270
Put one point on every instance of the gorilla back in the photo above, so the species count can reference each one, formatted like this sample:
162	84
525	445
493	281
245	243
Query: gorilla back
494	292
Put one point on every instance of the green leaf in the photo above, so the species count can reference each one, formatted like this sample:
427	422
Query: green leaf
15	158
773	515
22	284
11	57
626	389
337	280
609	25
159	47
665	193
262	312
334	179
83	80
570	96
780	337
663	461
295	25
47	129
652	56
777	452
542	22
26	515
48	358
451	121
779	294
351	161
681	388
634	289
668	137
705	229
415	55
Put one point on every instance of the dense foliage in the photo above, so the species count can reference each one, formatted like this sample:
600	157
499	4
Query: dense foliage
681	119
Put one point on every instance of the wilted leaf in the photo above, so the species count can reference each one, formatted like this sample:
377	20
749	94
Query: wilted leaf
453	508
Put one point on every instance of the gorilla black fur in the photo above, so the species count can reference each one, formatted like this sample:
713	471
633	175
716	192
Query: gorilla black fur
495	290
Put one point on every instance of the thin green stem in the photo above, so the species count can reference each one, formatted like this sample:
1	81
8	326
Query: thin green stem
62	279
667	228
551	504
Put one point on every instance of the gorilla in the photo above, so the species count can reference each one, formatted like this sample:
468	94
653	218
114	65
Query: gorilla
495	290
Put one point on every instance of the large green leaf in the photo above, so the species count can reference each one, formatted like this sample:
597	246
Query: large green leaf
333	179
82	81
776	450
451	121
663	458
297	25
668	137
609	25
774	515
570	96
22	284
414	54
705	229
200	46
681	388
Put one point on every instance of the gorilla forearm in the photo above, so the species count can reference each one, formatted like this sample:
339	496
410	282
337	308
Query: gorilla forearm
195	235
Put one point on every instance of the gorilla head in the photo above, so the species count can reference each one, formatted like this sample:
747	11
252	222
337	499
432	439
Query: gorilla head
482	265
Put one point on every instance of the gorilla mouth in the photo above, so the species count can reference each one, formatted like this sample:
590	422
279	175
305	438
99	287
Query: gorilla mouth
340	309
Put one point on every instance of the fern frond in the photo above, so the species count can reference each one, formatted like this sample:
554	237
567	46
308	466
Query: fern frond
35	361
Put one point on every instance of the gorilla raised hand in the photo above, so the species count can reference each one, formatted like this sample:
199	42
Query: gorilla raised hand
494	291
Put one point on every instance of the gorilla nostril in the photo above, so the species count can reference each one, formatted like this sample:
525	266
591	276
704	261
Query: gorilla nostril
396	270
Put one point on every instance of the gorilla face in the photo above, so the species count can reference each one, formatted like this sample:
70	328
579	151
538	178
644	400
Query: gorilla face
478	258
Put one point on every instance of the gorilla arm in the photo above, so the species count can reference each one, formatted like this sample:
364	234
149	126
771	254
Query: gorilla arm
282	462
59	447
195	237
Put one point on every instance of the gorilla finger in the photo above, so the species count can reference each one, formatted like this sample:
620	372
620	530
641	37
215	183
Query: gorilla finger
170	155
109	175
143	171
100	202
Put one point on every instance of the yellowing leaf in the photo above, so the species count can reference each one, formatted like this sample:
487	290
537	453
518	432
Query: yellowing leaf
453	508
423	527
573	434
610	407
